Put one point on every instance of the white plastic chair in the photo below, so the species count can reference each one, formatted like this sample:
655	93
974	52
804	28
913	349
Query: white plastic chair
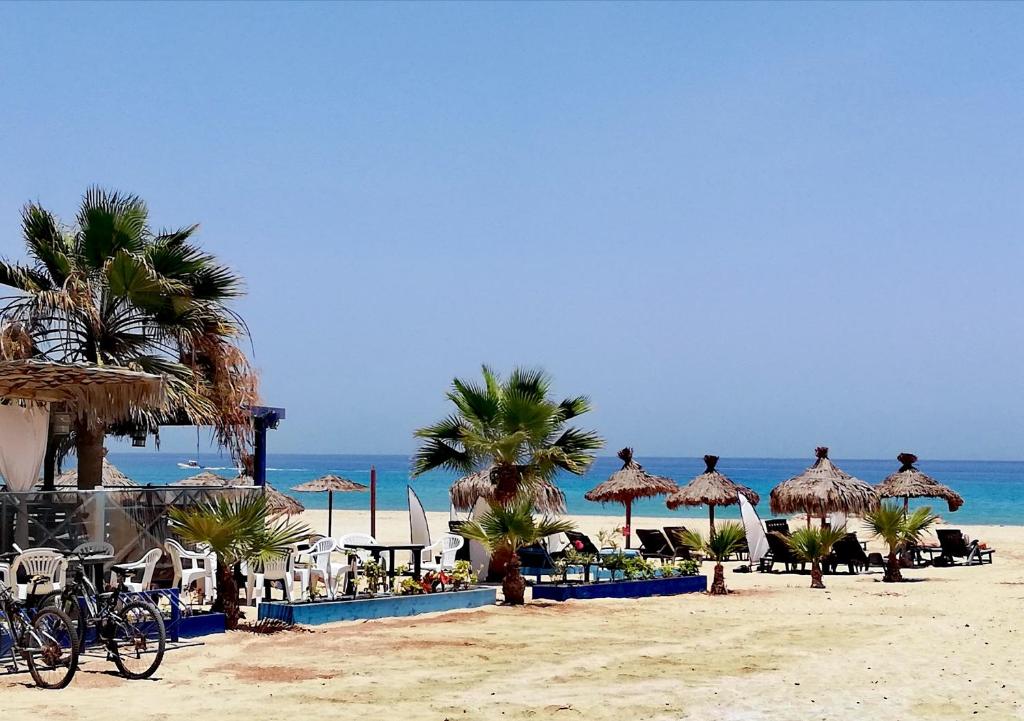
446	547
192	566
44	564
334	573
277	569
146	564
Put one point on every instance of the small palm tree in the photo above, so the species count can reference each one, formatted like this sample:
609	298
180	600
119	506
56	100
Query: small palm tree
814	545
513	426
899	530
723	542
237	530
505	529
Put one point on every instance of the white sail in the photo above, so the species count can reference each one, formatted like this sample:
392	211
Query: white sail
419	531
757	539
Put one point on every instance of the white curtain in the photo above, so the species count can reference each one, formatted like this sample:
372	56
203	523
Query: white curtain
23	434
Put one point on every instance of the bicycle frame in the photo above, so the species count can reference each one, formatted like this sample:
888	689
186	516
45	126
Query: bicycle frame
17	622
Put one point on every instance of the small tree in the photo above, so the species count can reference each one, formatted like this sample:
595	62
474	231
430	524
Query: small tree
507	528
236	530
899	530
722	542
814	545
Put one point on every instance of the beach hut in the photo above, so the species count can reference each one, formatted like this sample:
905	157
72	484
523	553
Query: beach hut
330	483
711	488
465	492
823	489
628	484
908	482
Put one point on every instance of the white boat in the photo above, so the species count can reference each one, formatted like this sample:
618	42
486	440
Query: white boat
189	464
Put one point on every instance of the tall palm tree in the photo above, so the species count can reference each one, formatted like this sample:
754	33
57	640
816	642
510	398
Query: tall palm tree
505	529
719	545
512	426
236	530
899	530
110	291
814	544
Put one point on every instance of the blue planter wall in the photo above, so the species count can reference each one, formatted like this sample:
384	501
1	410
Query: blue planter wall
312	614
623	589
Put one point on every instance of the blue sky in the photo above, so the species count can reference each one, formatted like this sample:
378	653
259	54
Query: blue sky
746	229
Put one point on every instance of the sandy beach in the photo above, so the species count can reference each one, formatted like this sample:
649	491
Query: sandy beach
944	646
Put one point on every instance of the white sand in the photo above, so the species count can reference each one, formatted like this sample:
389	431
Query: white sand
946	646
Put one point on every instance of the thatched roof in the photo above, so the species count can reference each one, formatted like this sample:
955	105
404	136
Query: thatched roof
465	492
630	482
330	482
91	392
205	478
111	478
710	488
278	504
908	482
822	489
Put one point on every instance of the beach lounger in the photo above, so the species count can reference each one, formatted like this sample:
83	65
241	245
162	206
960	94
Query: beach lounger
779	552
674	534
777	525
955	545
849	552
654	544
536	561
588	545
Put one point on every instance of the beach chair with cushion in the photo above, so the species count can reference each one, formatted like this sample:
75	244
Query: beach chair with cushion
585	545
674	534
955	545
849	552
779	552
654	544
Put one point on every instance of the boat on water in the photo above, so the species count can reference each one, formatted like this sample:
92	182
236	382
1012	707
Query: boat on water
189	464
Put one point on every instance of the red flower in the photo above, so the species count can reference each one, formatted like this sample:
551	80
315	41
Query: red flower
578	545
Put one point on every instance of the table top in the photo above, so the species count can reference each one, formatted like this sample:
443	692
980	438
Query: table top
99	558
387	546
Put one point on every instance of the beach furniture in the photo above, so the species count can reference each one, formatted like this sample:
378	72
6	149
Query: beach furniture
955	545
779	552
536	561
277	570
654	544
779	525
144	567
335	574
441	556
192	567
584	541
674	534
848	552
36	571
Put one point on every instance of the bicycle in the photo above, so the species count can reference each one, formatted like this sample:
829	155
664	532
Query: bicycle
45	640
127	626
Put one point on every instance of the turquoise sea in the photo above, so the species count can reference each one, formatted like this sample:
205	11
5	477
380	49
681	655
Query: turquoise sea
993	490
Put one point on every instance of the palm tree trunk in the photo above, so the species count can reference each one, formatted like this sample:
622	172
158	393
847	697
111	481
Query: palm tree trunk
718	585
89	449
513	585
506	479
892	569
816	577
227	595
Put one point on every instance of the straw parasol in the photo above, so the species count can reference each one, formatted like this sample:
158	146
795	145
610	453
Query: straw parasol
908	482
111	478
278	504
330	483
710	488
822	489
465	492
206	478
627	484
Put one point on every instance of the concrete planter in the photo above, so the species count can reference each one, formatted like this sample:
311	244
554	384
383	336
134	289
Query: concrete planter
622	589
312	614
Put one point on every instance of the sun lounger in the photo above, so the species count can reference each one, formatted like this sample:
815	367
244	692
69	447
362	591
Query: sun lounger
777	525
584	540
849	552
654	544
536	561
955	545
674	534
779	552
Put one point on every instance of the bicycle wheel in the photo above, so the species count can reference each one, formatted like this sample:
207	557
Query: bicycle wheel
138	639
69	605
51	648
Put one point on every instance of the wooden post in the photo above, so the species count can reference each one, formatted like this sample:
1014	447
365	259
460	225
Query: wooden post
330	511
373	501
711	517
629	521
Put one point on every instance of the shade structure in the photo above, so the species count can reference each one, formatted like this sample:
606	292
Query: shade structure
330	483
823	489
628	484
91	392
206	478
278	504
465	492
111	478
711	488
908	482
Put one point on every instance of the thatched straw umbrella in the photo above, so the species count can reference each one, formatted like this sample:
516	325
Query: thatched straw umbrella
710	488
206	478
111	478
908	482
330	483
278	504
465	492
627	484
823	489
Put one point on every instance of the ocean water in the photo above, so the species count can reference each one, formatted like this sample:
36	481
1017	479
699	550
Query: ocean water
993	491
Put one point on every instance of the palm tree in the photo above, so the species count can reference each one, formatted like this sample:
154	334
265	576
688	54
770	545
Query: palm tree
505	529
236	530
814	545
899	530
723	542
512	426
110	291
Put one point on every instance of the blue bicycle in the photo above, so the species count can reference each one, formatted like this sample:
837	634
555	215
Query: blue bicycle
44	639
